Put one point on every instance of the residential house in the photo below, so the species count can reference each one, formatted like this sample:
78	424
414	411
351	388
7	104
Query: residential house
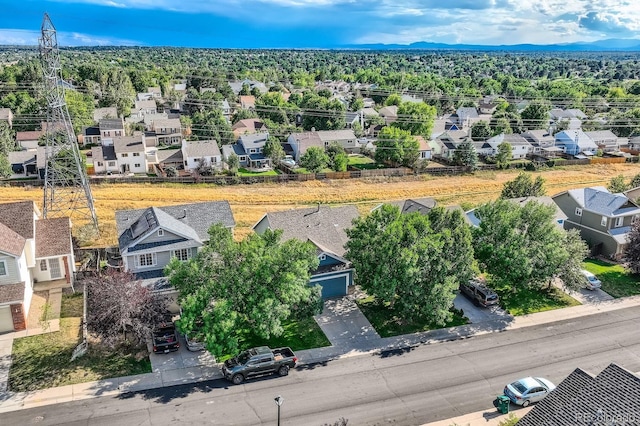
197	153
247	102
144	107
445	144
226	109
420	205
634	143
576	143
483	148
155	91
606	140
609	398
324	227
168	131
424	149
345	138
520	147
301	142
559	215
149	238
467	116
104	157
443	124
249	126
633	194
249	148
35	255
90	135
6	115
573	117
368	103
149	119
410	98
130	154
23	163
351	118
542	143
111	127
236	86
106	112
487	105
29	139
389	113
603	219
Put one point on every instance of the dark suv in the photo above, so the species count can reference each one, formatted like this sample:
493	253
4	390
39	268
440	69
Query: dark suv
479	294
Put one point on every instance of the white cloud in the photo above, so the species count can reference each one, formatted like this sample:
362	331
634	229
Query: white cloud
19	37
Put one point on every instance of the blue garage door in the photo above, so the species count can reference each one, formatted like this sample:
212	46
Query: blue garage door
334	287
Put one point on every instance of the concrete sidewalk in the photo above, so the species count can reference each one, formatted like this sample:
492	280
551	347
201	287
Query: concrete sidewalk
351	338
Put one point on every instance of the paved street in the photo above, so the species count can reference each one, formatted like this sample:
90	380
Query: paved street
402	387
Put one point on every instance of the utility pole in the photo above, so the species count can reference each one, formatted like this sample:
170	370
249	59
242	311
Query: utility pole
66	187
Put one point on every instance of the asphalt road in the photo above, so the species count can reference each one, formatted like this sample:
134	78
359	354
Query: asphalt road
410	387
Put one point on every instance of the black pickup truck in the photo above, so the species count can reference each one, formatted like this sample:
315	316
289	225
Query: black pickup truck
165	338
257	362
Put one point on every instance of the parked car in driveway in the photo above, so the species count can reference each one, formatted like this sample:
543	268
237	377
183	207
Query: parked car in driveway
192	344
591	281
528	390
165	338
479	294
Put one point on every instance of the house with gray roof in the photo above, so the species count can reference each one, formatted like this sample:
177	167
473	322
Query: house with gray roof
144	107
467	116
23	163
389	113
325	228
105	112
345	138
35	255
542	143
606	140
300	142
520	147
603	219
576	142
149	238
411	205
201	153
111	127
606	399
168	131
249	150
29	139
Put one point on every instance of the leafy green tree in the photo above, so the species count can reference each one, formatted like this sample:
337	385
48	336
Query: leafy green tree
211	124
254	285
356	103
315	159
504	154
81	109
117	90
536	115
416	117
273	150
632	251
393	99
523	186
635	181
358	131
7	144
242	114
466	155
617	184
430	256
338	158
397	147
233	162
480	131
522	245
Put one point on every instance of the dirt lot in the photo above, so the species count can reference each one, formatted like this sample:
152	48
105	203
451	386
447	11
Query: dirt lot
250	202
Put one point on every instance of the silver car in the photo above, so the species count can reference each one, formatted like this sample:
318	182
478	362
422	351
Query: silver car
527	390
592	282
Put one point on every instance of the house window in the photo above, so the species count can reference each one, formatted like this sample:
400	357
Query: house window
112	163
43	265
3	268
243	158
160	232
323	256
136	165
182	254
100	163
148	259
619	221
578	211
214	160
603	221
124	154
136	154
118	133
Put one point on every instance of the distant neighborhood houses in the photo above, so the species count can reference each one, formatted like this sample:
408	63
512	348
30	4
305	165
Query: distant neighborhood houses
150	139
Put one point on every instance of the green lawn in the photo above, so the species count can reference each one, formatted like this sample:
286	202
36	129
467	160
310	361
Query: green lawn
245	172
298	335
304	171
529	300
616	280
44	361
359	160
387	323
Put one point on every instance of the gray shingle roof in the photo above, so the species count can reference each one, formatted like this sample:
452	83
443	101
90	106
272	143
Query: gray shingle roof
600	200
11	292
324	226
189	220
128	144
111	124
21	157
198	149
18	216
422	205
582	399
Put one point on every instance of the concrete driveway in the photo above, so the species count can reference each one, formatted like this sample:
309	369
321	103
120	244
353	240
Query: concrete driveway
584	296
182	358
477	314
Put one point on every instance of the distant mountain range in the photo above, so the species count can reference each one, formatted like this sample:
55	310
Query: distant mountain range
610	45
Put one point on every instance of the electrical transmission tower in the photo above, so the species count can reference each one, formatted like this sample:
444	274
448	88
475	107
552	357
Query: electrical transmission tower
66	187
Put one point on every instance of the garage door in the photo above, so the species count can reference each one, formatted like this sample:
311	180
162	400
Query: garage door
334	287
6	321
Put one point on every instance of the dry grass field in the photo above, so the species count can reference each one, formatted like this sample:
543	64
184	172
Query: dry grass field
250	202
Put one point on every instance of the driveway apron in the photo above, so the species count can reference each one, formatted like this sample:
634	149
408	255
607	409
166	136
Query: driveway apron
345	325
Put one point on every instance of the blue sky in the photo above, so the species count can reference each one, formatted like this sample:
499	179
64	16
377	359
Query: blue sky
318	23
